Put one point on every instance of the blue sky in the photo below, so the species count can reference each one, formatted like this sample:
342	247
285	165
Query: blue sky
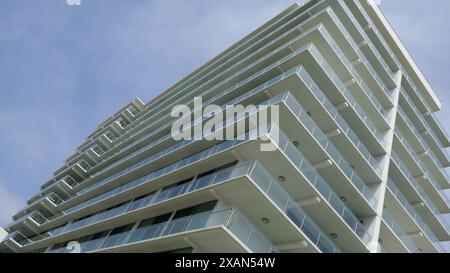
64	69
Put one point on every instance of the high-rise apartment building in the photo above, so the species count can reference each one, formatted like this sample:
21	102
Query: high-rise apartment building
359	165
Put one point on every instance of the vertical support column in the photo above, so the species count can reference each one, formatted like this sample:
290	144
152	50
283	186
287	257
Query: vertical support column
373	224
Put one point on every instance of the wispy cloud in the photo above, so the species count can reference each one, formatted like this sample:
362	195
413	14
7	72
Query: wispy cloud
68	68
64	69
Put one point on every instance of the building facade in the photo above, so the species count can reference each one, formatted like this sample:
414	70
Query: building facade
359	164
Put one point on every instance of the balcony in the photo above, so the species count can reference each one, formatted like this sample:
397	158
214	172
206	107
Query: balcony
439	152
438	130
419	198
335	201
422	235
421	174
344	134
288	57
226	230
376	51
368	29
391	227
49	202
350	53
66	185
225	183
253	170
31	221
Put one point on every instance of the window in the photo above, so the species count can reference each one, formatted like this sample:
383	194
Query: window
206	173
55	198
208	206
141	201
110	136
122	123
204	179
84	165
70	181
184	181
224	172
117	236
95	241
150	228
172	193
226	166
133	110
98	150
182	222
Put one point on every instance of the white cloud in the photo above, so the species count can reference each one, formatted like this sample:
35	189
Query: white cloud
166	48
9	204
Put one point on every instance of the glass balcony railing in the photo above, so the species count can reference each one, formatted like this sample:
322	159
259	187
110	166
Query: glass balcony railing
151	176
282	60
397	229
294	213
160	196
413	214
18	237
328	146
425	125
405	73
172	167
163	153
239	84
170	122
160	172
367	91
53	197
443	131
235	62
421	139
247	47
134	143
23	240
349	97
365	61
370	43
318	133
252	169
291	209
231	219
422	167
304	167
412	181
343	212
344	127
37	217
34	215
241	116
